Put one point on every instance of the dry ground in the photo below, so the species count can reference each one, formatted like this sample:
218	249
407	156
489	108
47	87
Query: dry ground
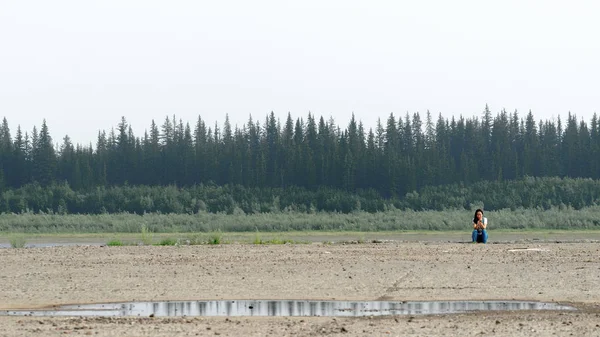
562	272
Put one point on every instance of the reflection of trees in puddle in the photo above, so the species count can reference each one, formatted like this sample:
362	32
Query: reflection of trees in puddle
284	308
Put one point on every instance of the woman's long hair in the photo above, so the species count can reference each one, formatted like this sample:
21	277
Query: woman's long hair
475	216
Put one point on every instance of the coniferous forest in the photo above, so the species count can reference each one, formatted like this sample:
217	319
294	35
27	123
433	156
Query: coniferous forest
306	164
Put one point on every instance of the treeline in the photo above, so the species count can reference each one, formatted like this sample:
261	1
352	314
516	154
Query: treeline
526	193
401	155
228	199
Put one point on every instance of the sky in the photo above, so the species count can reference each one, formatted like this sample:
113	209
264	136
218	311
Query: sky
82	65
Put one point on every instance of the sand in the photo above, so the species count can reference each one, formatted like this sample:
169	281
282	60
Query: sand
568	273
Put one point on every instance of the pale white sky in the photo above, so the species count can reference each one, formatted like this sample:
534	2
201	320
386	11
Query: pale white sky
82	65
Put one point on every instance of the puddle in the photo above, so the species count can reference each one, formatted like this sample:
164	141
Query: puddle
529	250
283	308
54	244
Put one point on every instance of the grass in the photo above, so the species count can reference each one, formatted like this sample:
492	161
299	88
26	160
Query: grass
279	241
273	241
115	243
212	238
276	240
299	237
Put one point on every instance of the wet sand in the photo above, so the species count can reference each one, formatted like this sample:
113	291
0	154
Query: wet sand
407	271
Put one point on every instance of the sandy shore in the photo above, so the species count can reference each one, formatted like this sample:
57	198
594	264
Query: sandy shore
553	272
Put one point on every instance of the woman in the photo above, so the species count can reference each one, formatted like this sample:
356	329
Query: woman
479	227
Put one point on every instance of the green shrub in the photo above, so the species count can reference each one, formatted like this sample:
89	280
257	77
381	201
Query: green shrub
168	242
17	241
257	239
215	238
204	224
147	238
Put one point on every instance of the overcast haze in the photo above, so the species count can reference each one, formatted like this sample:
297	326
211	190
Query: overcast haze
82	65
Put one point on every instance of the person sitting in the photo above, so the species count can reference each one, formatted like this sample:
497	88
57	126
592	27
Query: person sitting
479	227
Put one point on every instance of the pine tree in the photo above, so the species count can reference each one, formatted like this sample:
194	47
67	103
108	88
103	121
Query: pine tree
44	158
531	161
583	152
101	160
311	151
594	152
272	150
570	148
66	162
20	160
286	155
487	171
200	144
6	153
500	145
391	151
